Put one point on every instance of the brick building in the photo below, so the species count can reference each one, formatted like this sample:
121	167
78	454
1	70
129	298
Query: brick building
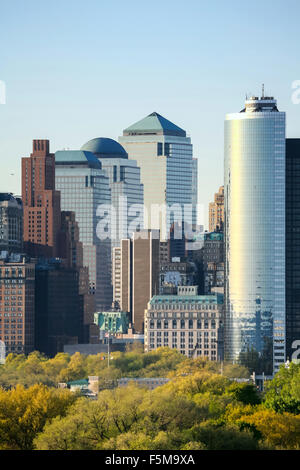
17	306
41	203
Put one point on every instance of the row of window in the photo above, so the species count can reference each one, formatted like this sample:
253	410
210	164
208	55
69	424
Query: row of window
191	324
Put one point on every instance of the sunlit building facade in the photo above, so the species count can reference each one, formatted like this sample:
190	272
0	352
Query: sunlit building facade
188	322
127	192
84	187
255	231
216	211
164	153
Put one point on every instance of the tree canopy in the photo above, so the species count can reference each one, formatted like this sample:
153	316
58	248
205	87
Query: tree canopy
201	407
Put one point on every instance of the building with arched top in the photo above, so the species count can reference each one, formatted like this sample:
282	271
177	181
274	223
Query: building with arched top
127	192
84	187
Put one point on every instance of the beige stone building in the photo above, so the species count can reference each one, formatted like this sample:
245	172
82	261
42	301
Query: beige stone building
191	323
216	211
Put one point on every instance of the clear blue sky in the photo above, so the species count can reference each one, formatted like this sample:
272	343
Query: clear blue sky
75	70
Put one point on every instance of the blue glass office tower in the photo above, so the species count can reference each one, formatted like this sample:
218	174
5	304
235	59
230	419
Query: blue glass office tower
255	231
125	183
84	187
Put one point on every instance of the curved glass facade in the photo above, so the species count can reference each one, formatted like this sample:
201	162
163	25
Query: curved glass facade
255	230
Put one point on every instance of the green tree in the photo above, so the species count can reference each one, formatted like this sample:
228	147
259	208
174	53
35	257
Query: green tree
24	413
280	430
84	428
244	392
228	437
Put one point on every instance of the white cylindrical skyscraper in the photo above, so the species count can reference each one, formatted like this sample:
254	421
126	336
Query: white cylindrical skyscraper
255	231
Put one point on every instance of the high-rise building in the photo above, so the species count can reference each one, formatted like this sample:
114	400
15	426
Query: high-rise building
84	189
255	231
71	251
174	274
292	245
17	303
136	274
213	261
165	155
116	275
41	202
188	322
177	241
216	211
195	190
11	223
69	245
125	185
58	307
164	252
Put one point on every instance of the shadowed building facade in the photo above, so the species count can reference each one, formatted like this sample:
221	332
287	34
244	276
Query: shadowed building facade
292	245
59	313
11	223
136	274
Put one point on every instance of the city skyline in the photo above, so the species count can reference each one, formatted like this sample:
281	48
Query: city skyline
70	97
149	228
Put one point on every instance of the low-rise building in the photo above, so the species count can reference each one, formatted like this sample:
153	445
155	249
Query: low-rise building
190	323
149	382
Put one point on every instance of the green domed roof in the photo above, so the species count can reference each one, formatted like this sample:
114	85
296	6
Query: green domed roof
77	157
104	147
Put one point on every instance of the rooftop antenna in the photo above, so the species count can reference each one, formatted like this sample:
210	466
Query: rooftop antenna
263	90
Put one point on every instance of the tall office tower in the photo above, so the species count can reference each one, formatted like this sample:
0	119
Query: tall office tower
17	294
84	189
11	223
195	190
177	241
213	262
58	307
137	274
216	211
292	245
41	202
71	250
188	322
69	245
165	155
164	252
125	185
255	231
116	275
